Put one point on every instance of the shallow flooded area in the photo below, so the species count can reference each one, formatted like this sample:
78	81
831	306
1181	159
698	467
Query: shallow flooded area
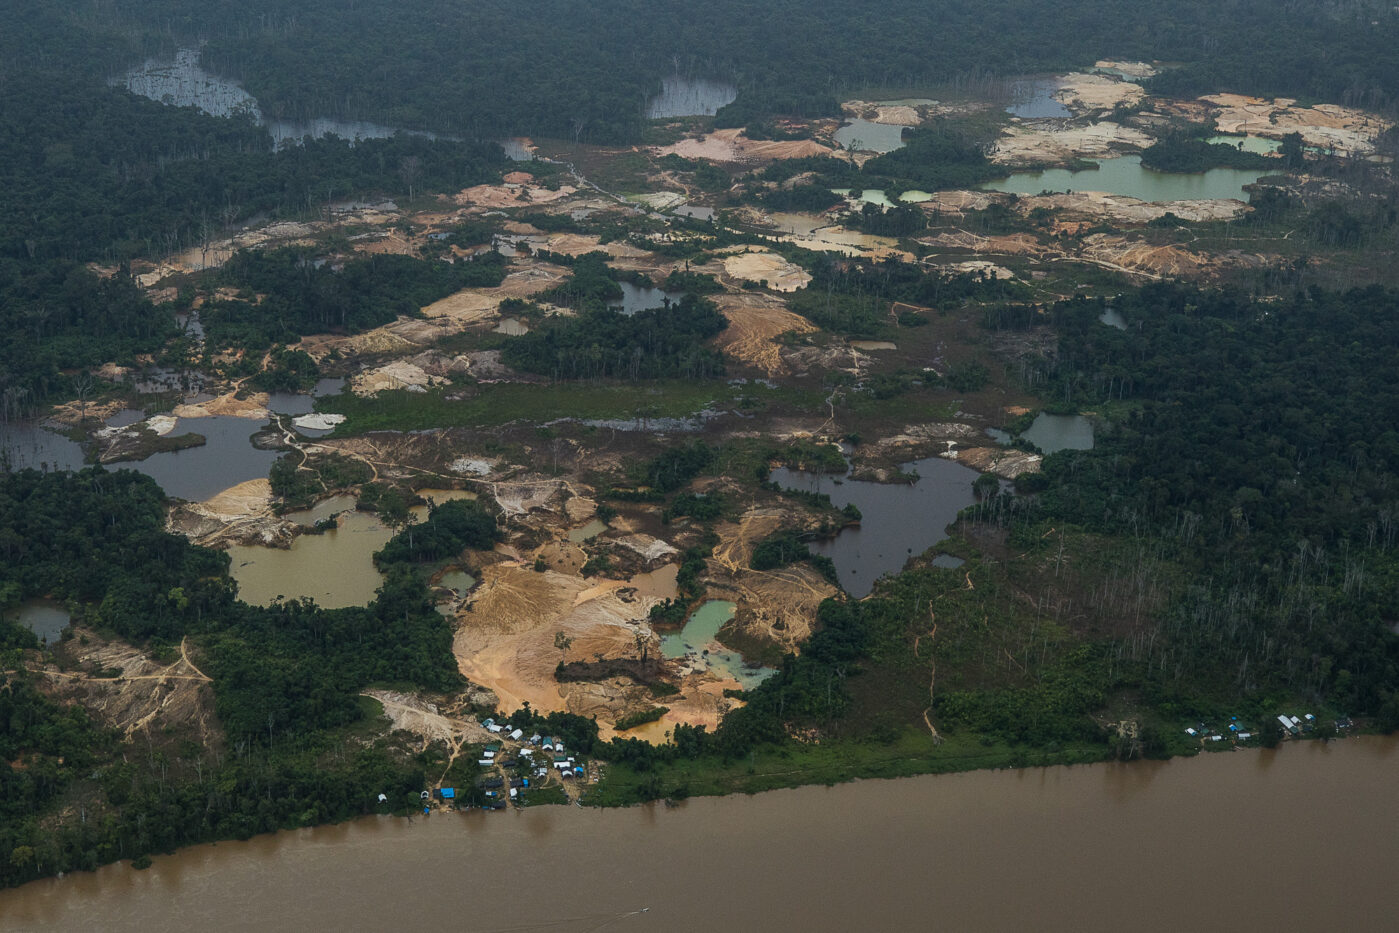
44	617
25	445
1127	176
226	459
1160	842
862	135
899	519
181	82
698	644
690	97
642	298
335	568
1051	433
1113	318
1033	99
587	532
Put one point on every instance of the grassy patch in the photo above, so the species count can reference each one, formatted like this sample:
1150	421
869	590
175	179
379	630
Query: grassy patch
502	404
543	796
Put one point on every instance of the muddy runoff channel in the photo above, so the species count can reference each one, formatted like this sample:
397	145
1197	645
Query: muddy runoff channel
1300	838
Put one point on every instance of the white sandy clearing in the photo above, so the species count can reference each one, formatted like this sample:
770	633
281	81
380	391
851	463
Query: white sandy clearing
1021	144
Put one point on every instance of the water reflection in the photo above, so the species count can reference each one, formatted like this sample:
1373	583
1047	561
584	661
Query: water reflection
517	149
865	136
1127	176
1061	849
1033	99
226	459
690	97
44	617
25	445
642	298
1113	318
898	520
181	82
1052	433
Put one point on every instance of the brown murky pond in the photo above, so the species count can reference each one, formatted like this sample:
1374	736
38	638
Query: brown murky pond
1298	839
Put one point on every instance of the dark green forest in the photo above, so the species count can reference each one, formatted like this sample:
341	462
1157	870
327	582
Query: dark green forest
472	70
286	293
285	683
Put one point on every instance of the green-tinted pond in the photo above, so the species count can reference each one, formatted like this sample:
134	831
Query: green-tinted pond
697	643
1127	176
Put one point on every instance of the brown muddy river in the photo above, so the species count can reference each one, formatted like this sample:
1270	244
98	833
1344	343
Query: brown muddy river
1299	839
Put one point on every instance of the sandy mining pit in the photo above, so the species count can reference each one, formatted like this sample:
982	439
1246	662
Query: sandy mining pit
1038	145
732	146
756	322
508	641
755	264
1349	131
1084	93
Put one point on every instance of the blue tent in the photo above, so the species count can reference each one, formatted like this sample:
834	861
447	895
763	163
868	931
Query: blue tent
449	793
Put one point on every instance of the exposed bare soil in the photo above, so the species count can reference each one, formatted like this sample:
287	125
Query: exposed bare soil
756	321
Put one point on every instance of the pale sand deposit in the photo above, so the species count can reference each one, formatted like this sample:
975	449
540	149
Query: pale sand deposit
510	195
507	642
254	407
1084	93
760	265
1132	69
731	145
1326	126
241	513
1023	145
756	321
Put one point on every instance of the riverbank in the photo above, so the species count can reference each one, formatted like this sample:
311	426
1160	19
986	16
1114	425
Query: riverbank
1160	842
